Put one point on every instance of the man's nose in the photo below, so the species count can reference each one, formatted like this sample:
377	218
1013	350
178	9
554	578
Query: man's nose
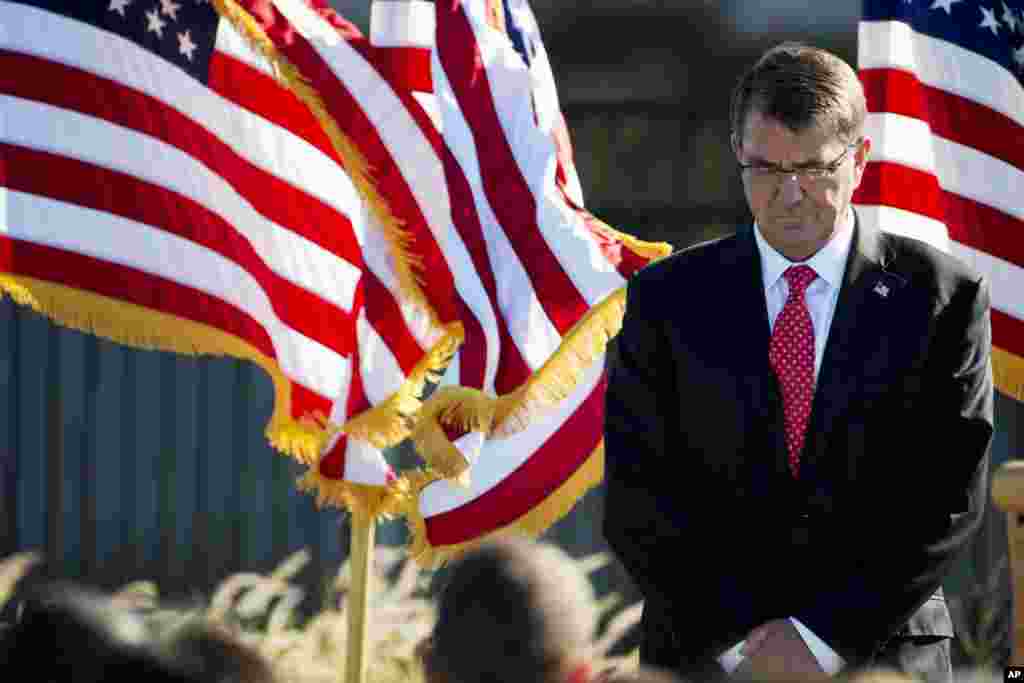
791	190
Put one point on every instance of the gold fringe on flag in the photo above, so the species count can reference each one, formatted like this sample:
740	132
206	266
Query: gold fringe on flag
649	250
557	378
533	523
442	456
378	501
553	382
390	421
385	425
399	239
144	328
462	407
502	416
1008	373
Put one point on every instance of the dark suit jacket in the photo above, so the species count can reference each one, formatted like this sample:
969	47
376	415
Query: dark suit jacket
700	506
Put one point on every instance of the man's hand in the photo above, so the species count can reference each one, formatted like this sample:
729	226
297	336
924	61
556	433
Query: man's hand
775	649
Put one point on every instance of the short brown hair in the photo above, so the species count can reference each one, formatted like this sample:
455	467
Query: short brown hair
800	86
512	610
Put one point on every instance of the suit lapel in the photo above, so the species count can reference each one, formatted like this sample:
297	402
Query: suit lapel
866	293
752	307
764	398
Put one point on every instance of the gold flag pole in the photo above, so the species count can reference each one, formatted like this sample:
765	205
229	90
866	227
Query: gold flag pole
360	556
1008	494
363	538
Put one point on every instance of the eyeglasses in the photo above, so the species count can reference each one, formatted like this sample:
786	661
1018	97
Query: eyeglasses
772	173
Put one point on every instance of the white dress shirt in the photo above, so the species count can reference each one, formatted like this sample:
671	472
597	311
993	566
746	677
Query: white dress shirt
821	296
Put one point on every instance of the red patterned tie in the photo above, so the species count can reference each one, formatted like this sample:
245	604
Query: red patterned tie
791	354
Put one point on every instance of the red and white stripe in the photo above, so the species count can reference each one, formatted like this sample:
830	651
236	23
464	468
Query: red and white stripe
403	33
947	161
497	244
223	204
374	95
514	474
548	265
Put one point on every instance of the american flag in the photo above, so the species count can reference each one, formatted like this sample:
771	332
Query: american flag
376	95
554	276
472	161
160	187
945	89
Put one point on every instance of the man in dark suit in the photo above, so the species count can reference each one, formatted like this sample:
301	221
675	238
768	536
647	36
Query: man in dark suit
799	416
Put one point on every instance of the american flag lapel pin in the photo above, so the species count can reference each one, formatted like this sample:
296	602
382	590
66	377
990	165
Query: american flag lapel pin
882	289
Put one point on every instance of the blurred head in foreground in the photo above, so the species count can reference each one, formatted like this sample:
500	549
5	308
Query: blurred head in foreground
212	655
512	610
72	634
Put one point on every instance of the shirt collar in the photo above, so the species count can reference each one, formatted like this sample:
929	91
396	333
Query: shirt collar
829	262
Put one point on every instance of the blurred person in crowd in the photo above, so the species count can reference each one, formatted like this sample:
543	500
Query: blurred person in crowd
213	655
73	634
70	634
512	610
803	410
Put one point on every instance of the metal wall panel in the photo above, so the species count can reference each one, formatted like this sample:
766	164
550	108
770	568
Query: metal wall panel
122	464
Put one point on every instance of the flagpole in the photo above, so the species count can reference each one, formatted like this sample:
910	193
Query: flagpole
361	544
1008	494
360	556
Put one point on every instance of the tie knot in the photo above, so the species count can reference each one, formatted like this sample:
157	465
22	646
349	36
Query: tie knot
799	278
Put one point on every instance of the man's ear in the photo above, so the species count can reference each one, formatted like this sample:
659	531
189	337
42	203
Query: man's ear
735	142
864	153
861	160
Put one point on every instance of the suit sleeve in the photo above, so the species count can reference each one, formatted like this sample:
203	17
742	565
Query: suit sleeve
954	421
648	520
637	430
